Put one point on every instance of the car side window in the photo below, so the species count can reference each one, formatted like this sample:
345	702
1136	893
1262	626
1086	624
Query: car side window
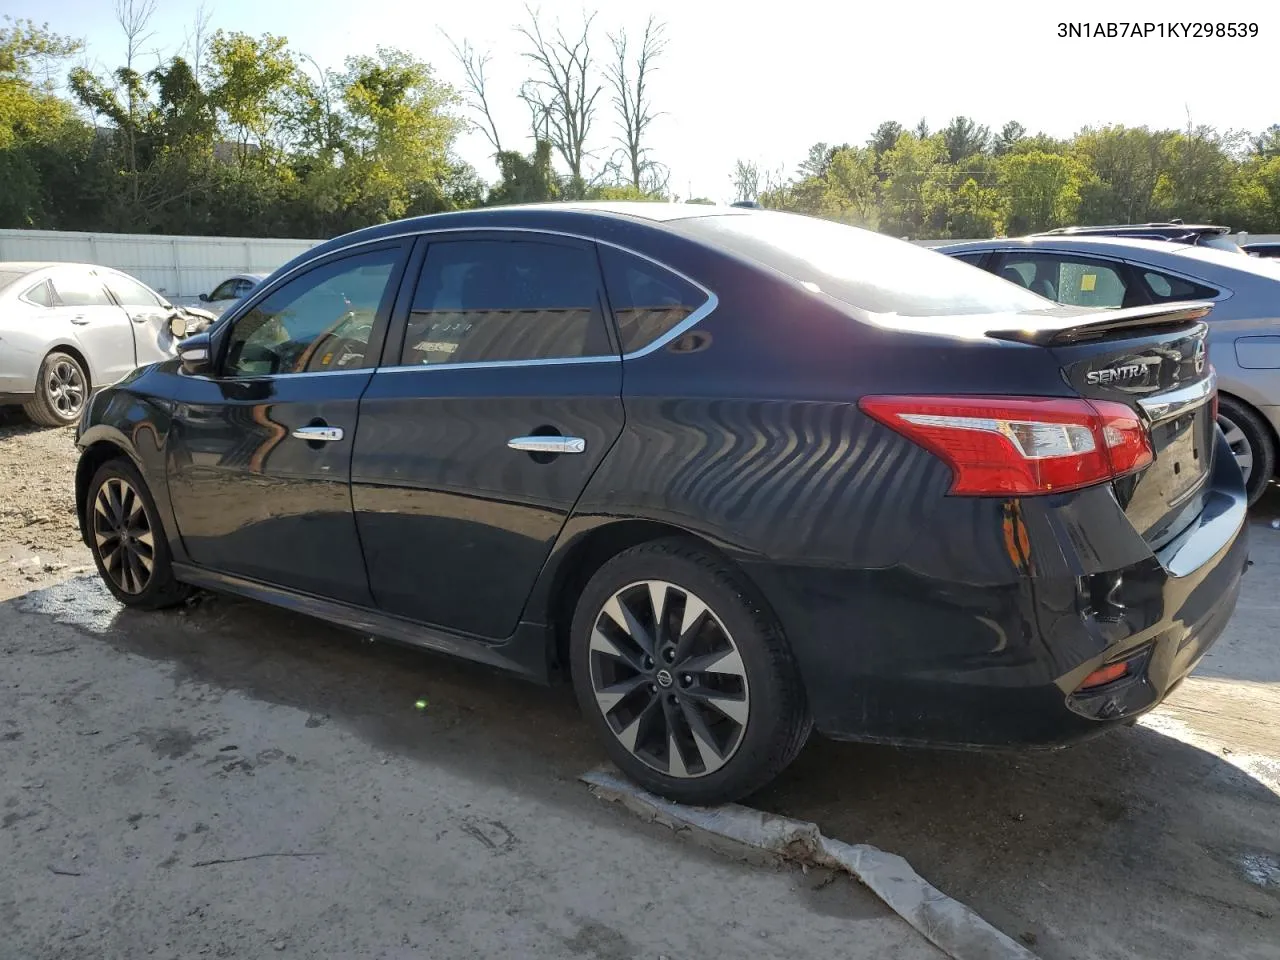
226	290
480	301
1166	288
321	321
242	287
648	301
130	293
973	259
81	290
40	294
1080	282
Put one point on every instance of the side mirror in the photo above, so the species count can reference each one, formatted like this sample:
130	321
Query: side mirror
204	298
196	355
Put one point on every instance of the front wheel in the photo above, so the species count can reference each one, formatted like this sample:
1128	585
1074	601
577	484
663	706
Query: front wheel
128	540
1250	441
685	675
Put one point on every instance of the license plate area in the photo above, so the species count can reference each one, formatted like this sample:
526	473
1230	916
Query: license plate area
1162	500
1182	445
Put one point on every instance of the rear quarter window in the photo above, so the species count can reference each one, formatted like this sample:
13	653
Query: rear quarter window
648	301
1170	288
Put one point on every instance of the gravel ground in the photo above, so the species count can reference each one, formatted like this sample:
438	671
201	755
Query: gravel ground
38	531
136	747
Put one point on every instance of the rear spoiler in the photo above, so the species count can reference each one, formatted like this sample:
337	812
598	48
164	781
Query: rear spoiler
1051	330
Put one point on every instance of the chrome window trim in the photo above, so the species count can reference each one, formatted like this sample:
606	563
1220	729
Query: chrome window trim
696	317
367	371
1179	401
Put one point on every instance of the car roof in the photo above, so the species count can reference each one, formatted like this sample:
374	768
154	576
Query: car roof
592	217
31	266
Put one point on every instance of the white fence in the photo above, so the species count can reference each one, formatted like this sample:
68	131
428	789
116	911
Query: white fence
181	268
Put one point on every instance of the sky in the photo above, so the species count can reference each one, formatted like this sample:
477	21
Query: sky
763	82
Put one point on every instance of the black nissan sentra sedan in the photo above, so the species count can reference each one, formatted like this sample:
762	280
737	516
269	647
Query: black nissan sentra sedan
738	474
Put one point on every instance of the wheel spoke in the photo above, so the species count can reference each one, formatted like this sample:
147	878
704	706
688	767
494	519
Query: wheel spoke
602	644
631	731
711	758
735	708
621	614
721	661
612	695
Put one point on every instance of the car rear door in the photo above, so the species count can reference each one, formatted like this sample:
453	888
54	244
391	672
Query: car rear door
259	454
100	327
499	396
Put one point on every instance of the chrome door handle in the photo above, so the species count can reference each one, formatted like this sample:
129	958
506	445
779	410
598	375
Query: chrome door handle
318	434
548	444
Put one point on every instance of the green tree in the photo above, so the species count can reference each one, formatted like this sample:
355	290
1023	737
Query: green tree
1040	190
43	144
252	84
1127	162
912	194
963	138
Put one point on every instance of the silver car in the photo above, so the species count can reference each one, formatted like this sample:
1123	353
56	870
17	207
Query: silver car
229	291
1244	327
67	328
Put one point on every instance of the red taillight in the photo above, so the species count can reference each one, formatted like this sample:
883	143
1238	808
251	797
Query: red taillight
1020	445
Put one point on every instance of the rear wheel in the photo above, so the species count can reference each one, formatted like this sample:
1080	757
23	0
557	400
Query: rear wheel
62	386
685	675
1250	441
128	540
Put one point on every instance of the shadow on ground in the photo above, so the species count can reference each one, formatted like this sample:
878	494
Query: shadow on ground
1136	844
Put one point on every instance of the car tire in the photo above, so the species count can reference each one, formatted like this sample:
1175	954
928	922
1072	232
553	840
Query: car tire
717	674
128	540
62	389
1251	443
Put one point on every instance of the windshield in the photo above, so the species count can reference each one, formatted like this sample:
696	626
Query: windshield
868	270
1220	242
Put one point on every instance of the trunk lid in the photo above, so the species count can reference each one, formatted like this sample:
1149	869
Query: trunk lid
1154	360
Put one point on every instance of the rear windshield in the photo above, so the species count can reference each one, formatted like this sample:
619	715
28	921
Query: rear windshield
1219	242
10	276
868	270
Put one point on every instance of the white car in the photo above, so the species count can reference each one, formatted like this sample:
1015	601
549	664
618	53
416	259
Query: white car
68	328
229	291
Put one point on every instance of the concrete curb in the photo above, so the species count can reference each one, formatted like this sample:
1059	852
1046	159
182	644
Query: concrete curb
946	923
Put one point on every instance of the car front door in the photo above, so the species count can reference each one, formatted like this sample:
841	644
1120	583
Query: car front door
101	328
259	454
500	395
148	315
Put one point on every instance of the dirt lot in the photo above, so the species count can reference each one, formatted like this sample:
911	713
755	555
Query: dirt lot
140	752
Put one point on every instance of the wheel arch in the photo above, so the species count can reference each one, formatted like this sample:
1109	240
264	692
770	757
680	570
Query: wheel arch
577	559
1262	418
81	358
94	454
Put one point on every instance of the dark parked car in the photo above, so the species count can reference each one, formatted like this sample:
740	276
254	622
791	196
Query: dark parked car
1264	249
736	473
